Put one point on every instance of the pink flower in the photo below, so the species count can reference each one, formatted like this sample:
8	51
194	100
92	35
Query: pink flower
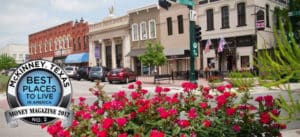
166	89
135	95
139	83
158	89
172	112
203	105
221	100
282	126
144	91
229	86
100	111
163	114
183	123
121	121
265	118
275	112
206	123
122	135
130	86
221	88
86	116
236	128
156	133
188	86
102	133
106	105
206	89
74	123
192	113
230	111
268	100
81	99
259	99
107	123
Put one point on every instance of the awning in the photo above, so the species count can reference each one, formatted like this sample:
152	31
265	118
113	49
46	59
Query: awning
136	52
77	58
174	51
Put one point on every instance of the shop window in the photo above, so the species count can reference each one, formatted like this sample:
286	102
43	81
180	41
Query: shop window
211	63
245	61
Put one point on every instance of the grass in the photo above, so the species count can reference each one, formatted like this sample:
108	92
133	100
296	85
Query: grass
3	83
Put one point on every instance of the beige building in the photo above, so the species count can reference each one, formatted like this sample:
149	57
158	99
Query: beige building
144	26
19	52
245	25
109	42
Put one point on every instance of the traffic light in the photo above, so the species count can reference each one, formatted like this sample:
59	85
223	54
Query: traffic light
165	3
197	33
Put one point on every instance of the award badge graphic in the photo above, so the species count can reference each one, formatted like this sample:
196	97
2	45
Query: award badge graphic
39	92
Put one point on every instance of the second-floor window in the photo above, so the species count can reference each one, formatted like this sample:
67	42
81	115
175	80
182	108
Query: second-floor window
180	24
267	16
135	32
225	17
169	26
143	31
152	29
210	19
241	14
79	46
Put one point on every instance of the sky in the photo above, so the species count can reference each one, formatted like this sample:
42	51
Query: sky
19	18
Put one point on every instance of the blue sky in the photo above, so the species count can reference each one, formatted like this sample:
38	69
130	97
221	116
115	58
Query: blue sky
19	18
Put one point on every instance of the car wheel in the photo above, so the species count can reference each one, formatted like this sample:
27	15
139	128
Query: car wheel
110	82
103	79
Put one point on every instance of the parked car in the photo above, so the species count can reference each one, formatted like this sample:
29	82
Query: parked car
83	73
98	73
122	75
71	71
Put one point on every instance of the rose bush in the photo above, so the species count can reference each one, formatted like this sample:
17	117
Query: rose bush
196	112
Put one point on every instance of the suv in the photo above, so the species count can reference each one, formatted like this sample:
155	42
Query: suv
83	73
98	73
71	71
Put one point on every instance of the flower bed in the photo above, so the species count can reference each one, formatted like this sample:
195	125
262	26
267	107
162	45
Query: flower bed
179	115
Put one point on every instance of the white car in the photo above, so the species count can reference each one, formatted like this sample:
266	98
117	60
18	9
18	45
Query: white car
71	71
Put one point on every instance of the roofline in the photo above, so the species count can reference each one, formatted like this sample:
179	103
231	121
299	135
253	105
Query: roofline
155	5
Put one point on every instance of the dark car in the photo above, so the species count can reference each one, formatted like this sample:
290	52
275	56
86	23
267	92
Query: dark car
98	73
122	75
83	73
71	71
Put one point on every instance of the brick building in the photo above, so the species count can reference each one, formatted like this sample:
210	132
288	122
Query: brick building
64	44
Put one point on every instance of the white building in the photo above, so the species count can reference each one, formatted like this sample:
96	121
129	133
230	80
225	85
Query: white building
246	26
18	51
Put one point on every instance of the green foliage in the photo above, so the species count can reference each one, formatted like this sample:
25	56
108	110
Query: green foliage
154	55
7	62
241	79
3	82
281	65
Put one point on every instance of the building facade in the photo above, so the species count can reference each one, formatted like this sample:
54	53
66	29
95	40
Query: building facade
61	44
110	42
19	52
233	31
144	27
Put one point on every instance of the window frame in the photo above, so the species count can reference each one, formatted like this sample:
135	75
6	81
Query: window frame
180	24
154	28
135	32
210	19
169	26
225	16
142	37
247	63
241	14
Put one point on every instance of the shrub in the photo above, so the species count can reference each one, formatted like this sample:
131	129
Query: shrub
186	114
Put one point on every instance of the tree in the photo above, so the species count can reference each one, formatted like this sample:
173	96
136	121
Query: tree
7	62
282	65
154	55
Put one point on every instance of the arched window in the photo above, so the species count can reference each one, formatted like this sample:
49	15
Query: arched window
143	31
135	32
152	29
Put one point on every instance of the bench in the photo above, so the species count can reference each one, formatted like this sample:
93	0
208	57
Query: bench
163	77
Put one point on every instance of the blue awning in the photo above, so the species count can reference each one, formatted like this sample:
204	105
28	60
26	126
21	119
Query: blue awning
77	58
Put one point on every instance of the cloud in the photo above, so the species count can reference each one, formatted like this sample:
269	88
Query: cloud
75	5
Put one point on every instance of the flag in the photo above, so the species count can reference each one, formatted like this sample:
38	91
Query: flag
221	44
207	45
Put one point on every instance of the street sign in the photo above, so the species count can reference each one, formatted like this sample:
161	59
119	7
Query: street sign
193	15
186	2
294	13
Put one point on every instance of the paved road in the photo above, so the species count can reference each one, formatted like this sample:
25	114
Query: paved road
81	88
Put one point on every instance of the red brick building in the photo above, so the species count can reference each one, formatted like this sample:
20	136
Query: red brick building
65	44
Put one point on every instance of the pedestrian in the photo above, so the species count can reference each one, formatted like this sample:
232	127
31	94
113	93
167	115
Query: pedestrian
206	71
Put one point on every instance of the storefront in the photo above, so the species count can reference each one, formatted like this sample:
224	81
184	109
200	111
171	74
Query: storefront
79	59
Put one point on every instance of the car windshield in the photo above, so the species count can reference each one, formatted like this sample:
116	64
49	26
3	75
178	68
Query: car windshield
116	70
68	68
96	69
